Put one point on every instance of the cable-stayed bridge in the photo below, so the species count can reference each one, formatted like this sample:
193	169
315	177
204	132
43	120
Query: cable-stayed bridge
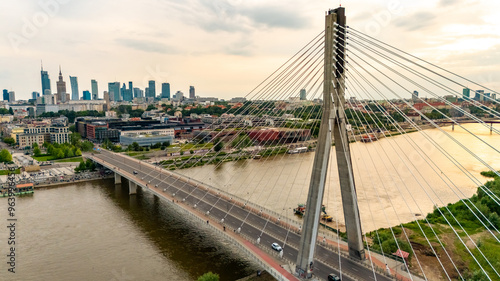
374	112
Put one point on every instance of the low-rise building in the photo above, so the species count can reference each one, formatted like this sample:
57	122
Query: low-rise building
56	133
144	140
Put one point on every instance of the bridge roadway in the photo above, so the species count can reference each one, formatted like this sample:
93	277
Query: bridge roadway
326	261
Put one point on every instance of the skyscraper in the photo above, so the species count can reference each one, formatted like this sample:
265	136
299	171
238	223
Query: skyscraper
61	87
86	95
138	93
165	90
303	94
106	98
479	95
414	96
5	95
152	89
35	95
114	91
95	92
192	94
466	93
131	87
45	82
12	96
126	93
74	88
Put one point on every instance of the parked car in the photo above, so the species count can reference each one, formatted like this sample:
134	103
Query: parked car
276	247
333	277
135	172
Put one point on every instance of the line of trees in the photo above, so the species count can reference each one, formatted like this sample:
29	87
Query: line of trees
73	114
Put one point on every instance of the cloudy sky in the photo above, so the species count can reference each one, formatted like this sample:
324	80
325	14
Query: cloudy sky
225	47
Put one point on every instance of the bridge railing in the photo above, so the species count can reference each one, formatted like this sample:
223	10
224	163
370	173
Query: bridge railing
273	216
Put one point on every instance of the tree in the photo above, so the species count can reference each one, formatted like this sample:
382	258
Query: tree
87	146
11	111
35	145
242	141
5	156
151	107
75	138
9	141
72	128
209	276
78	152
218	144
166	143
37	151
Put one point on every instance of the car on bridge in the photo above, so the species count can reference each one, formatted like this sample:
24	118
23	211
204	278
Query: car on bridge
333	277
276	247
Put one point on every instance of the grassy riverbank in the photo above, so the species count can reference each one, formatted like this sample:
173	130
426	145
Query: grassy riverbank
436	231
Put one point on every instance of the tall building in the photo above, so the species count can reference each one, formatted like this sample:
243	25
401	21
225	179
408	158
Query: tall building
138	93
466	93
95	91
131	87
303	94
12	96
493	96
35	95
151	92
192	94
5	95
165	90
61	87
74	88
86	95
479	95
126	93
178	96
414	96
106	98
45	82
114	91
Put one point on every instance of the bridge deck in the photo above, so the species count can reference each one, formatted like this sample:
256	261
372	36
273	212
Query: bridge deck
170	186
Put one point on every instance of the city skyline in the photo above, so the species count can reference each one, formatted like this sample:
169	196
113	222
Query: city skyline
244	42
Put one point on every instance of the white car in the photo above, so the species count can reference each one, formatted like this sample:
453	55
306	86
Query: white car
276	247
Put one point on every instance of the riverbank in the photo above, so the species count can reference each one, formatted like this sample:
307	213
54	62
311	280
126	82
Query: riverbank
434	237
65	183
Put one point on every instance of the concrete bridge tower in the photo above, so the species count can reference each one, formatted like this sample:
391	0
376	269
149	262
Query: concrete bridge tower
333	126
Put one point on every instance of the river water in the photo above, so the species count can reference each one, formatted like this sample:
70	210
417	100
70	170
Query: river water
395	183
94	231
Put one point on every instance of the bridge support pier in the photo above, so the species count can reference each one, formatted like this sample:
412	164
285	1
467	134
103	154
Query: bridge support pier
132	187
452	127
118	179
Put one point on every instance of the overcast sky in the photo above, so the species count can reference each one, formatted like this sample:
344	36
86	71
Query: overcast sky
225	47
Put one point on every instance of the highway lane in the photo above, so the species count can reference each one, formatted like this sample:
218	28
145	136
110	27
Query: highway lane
251	224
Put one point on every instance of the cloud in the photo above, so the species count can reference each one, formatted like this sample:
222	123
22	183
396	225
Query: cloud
241	47
146	45
416	21
230	16
444	3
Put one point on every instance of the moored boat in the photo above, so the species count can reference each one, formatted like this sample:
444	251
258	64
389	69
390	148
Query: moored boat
20	189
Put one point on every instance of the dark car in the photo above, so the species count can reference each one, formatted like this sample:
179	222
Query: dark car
333	277
135	172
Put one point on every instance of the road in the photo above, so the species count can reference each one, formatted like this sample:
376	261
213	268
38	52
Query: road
250	224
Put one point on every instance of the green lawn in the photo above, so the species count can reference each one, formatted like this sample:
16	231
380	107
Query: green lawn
72	159
43	158
6	172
